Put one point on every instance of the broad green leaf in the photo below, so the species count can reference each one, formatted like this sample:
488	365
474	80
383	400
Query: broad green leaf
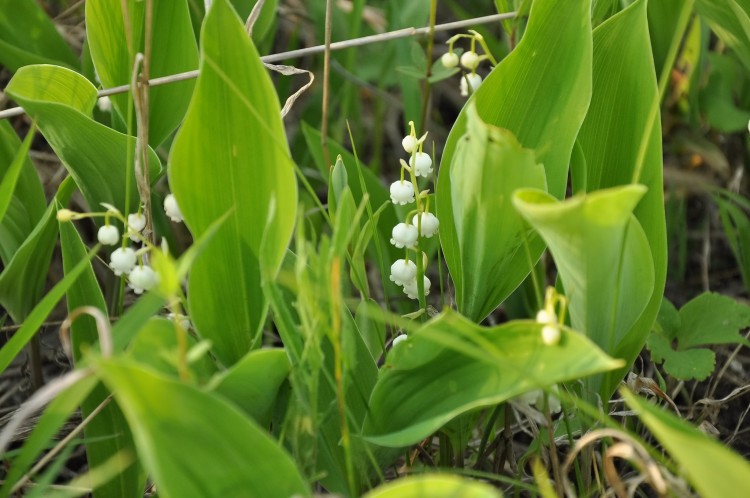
451	366
540	92
720	96
627	151
710	467
253	383
604	262
134	319
174	423
28	36
730	20
662	26
22	200
231	156
45	429
108	431
173	50
22	280
489	164
434	486
60	101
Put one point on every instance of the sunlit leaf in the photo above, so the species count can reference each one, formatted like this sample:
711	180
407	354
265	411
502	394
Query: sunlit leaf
434	486
231	155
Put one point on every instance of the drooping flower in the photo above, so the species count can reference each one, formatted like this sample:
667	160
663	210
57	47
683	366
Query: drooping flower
409	143
108	235
422	164
172	209
122	260
142	278
404	235
410	288
402	192
403	271
429	226
398	339
474	80
470	60
136	224
449	60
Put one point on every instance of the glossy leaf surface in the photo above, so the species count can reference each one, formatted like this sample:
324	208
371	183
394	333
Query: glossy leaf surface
231	156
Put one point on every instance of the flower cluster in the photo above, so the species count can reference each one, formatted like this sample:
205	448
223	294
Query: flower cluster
469	60
419	222
125	260
548	318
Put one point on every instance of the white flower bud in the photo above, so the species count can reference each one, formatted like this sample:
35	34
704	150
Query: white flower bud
410	288
403	271
470	60
474	81
180	319
172	209
65	214
122	260
429	226
551	334
108	235
422	164
397	339
449	60
409	143
402	192
404	235
136	223
142	278
104	104
544	317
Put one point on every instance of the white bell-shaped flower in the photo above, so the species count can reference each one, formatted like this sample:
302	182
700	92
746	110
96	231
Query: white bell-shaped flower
402	192
104	104
404	235
142	278
430	224
403	271
410	288
422	164
398	339
108	235
172	209
449	60
136	224
551	334
409	143
122	260
474	80
470	60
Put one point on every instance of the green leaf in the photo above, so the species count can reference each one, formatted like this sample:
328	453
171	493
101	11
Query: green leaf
60	101
451	366
720	96
173	51
107	431
713	319
253	383
628	151
730	20
28	36
27	203
684	365
22	280
434	486
173	425
736	224
710	467
489	231
603	259
231	155
540	92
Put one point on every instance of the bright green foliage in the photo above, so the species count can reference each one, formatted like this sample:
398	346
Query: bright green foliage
609	291
108	428
621	152
28	36
231	156
730	20
708	319
711	468
540	92
192	441
22	200
253	383
451	366
489	164
434	486
60	101
173	50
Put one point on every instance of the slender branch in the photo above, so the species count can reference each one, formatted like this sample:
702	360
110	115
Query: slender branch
326	84
294	54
